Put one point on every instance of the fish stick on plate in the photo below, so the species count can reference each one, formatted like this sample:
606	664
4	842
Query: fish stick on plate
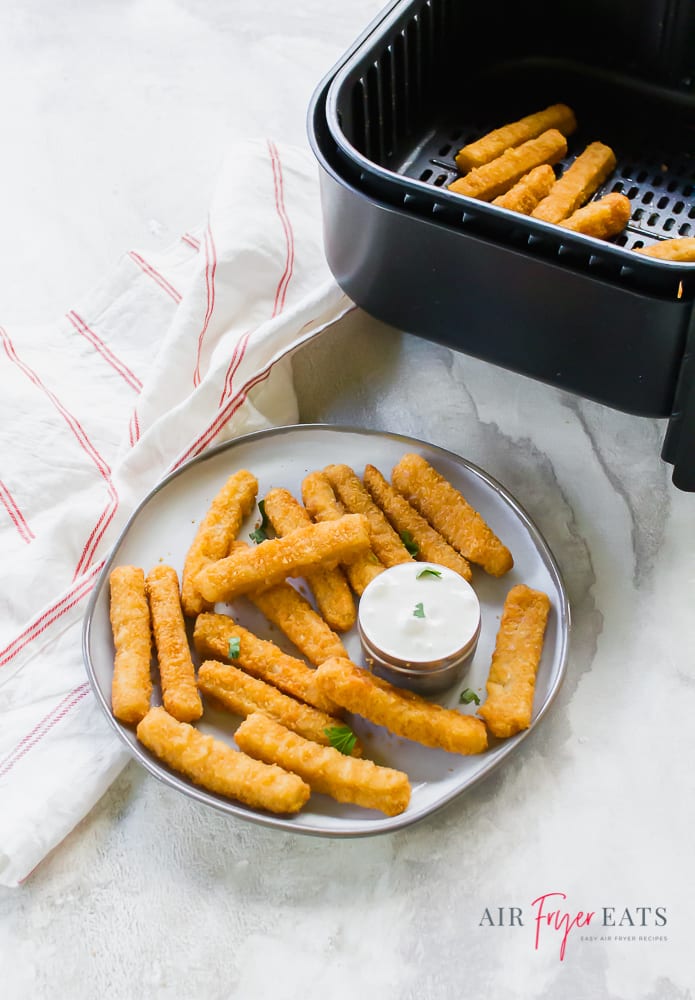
518	648
177	673
305	628
325	769
323	505
448	511
498	176
527	192
602	218
576	185
682	249
131	687
216	766
492	145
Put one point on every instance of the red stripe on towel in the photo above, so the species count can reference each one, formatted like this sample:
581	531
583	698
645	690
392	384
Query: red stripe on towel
286	225
191	240
16	516
122	369
210	269
43	727
155	275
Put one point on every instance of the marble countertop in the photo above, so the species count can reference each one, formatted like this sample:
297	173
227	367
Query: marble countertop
114	122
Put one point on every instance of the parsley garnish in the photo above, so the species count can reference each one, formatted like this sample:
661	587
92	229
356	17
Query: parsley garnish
429	572
234	647
259	534
467	696
410	543
342	738
419	611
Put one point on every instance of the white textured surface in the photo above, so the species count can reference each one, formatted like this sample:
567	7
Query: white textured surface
153	896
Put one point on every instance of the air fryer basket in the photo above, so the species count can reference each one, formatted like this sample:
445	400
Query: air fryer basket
592	317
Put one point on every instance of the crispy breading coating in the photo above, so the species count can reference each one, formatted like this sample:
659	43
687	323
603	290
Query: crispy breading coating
215	534
261	658
271	562
492	145
432	547
682	249
346	779
386	543
403	712
498	176
330	588
603	218
527	192
285	607
216	766
243	694
577	183
131	686
323	505
176	670
512	677
450	513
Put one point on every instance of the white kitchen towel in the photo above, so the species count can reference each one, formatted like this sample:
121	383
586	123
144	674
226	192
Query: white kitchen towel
174	352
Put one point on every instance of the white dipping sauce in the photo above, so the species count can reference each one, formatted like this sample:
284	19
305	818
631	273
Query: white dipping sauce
416	616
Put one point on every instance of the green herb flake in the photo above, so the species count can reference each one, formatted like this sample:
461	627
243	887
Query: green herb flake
234	647
342	738
467	696
410	543
259	534
429	572
419	611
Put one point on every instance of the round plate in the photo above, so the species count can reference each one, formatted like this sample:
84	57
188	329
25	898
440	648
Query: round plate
163	526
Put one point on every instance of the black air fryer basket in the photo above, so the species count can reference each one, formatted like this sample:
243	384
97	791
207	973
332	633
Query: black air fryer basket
590	316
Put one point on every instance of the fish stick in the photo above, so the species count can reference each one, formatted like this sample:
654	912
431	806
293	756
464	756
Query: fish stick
273	561
131	686
492	145
682	248
176	670
216	532
577	183
512	677
219	768
285	607
330	588
498	176
527	192
326	770
603	218
431	546
242	694
450	514
386	543
402	712
259	657
323	505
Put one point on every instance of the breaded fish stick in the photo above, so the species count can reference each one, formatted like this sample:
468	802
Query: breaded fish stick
285	607
577	183
527	192
386	543
273	561
260	658
242	694
214	765
451	514
492	145
682	249
131	686
346	779
176	670
403	712
512	678
330	588
432	547
323	505
496	177
603	218
216	532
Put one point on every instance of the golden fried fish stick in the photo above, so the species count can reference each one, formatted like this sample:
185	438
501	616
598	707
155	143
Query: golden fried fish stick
285	607
512	677
402	712
682	248
492	145
577	184
242	694
273	561
323	505
603	218
451	514
346	779
431	546
259	657
527	192
496	177
215	534
330	588
216	766
386	543
176	671
131	686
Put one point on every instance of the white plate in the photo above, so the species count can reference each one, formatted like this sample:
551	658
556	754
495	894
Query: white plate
161	530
